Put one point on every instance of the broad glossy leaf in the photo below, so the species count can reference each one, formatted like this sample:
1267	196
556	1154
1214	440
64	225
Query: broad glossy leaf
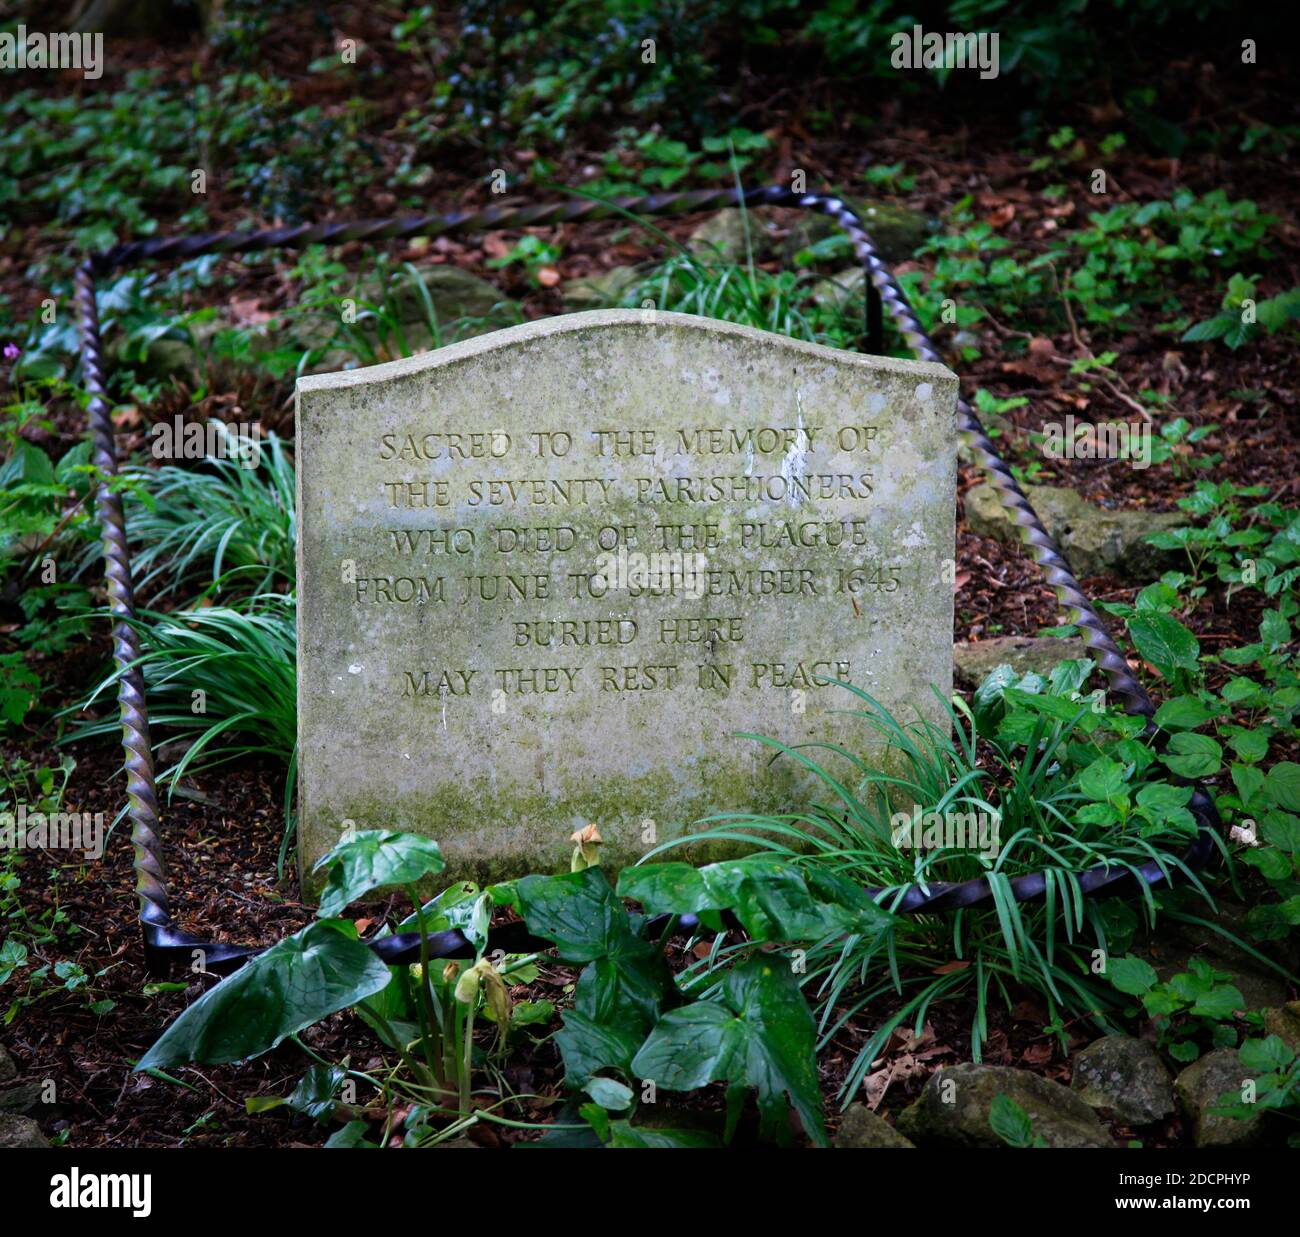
374	859
622	1134
587	1047
298	981
610	1094
580	913
761	1034
460	906
773	900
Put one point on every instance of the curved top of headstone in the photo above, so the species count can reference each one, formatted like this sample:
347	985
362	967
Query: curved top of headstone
602	320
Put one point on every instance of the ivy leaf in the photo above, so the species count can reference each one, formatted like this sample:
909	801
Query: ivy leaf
1164	642
298	981
374	859
761	1034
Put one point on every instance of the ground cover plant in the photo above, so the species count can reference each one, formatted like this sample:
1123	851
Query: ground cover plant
765	999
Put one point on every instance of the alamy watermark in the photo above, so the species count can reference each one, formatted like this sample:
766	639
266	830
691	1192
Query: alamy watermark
33	50
24	830
193	440
918	830
1104	440
951	50
672	572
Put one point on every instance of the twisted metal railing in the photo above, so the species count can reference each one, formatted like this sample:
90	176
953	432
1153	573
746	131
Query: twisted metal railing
164	943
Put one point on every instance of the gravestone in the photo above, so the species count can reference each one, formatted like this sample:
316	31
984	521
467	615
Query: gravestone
546	576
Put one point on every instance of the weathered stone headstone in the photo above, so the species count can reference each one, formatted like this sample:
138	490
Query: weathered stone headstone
546	575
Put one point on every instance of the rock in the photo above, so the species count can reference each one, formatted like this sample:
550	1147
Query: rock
1201	1085
898	231
1126	1076
722	237
453	292
974	660
863	1128
1285	1024
21	1097
8	1070
163	358
1174	944
839	289
1094	541
20	1133
1059	1116
599	291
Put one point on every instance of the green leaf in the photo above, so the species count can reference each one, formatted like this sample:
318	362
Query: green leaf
1164	642
1103	781
1250	745
1010	1122
1131	975
760	1034
1281	829
459	906
610	1094
351	1135
13	954
375	859
314	1094
1193	755
1271	864
1184	713
1248	780
1274	630
1163	804
772	900
587	1046
1266	1056
1221	1002
622	1134
1282	785
580	913
298	981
